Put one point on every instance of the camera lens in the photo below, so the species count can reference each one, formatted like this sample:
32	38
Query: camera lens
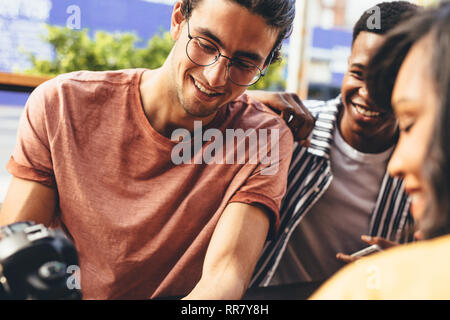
52	270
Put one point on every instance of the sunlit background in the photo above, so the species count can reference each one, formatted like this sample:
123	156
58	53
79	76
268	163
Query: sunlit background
48	37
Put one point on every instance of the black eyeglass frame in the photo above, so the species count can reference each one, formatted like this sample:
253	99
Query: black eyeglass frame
261	73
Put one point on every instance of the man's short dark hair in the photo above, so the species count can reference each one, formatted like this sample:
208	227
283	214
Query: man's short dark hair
278	14
391	14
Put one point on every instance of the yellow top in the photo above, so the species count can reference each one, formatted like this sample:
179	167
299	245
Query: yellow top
414	271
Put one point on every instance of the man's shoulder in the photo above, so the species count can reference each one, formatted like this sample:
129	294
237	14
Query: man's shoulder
82	79
76	90
81	85
112	77
404	282
247	113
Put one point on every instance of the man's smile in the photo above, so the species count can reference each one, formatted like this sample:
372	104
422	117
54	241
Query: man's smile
366	112
208	93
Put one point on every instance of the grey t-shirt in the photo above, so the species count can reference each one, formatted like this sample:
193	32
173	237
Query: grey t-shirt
338	219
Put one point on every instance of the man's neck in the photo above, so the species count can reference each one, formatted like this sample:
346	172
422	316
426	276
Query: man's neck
162	106
377	143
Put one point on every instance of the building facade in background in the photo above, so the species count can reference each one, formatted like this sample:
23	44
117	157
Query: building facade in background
330	23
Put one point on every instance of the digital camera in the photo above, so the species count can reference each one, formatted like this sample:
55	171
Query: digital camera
34	263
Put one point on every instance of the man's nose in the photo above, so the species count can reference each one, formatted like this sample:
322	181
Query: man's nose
364	93
217	74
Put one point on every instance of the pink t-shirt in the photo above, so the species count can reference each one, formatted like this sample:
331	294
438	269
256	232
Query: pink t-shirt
140	222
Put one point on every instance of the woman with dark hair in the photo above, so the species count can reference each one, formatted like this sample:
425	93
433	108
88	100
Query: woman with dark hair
411	75
433	25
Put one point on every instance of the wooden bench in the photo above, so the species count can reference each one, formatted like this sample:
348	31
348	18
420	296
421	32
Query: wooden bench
20	82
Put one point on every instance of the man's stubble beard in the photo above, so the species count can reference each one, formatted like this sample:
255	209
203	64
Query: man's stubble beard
190	107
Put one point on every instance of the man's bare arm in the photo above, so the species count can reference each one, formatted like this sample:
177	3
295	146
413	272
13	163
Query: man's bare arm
232	253
28	200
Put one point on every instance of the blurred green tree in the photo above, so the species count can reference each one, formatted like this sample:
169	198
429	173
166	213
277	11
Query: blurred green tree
273	80
74	50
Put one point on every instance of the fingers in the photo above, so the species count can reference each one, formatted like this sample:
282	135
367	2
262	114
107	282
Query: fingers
383	243
291	108
287	111
304	130
418	235
345	258
306	125
305	143
301	120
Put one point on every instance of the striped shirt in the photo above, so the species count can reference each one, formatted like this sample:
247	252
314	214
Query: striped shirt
309	177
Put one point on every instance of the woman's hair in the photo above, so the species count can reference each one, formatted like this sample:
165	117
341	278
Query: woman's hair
381	74
278	14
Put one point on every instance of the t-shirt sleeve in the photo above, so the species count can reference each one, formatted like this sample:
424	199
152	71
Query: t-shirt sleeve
32	159
266	186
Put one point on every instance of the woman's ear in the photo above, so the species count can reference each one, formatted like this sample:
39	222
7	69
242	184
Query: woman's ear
177	21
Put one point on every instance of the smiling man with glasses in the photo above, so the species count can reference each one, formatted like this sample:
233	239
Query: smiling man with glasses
241	70
94	157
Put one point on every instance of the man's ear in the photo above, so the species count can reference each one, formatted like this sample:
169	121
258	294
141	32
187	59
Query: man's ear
177	21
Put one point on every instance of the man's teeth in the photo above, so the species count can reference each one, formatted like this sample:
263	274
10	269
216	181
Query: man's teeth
204	90
366	112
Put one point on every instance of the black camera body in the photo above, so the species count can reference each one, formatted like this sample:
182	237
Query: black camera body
35	263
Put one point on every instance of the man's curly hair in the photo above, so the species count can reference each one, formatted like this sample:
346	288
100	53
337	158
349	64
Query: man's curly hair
392	13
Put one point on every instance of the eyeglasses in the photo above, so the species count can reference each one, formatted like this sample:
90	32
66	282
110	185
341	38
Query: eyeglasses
205	53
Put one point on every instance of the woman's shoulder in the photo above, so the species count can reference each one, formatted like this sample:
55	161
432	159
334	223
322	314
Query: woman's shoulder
413	271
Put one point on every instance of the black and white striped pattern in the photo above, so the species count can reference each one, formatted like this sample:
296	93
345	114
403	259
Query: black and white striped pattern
309	177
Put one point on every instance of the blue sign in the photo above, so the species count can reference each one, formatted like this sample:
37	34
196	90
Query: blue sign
334	46
142	17
330	38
